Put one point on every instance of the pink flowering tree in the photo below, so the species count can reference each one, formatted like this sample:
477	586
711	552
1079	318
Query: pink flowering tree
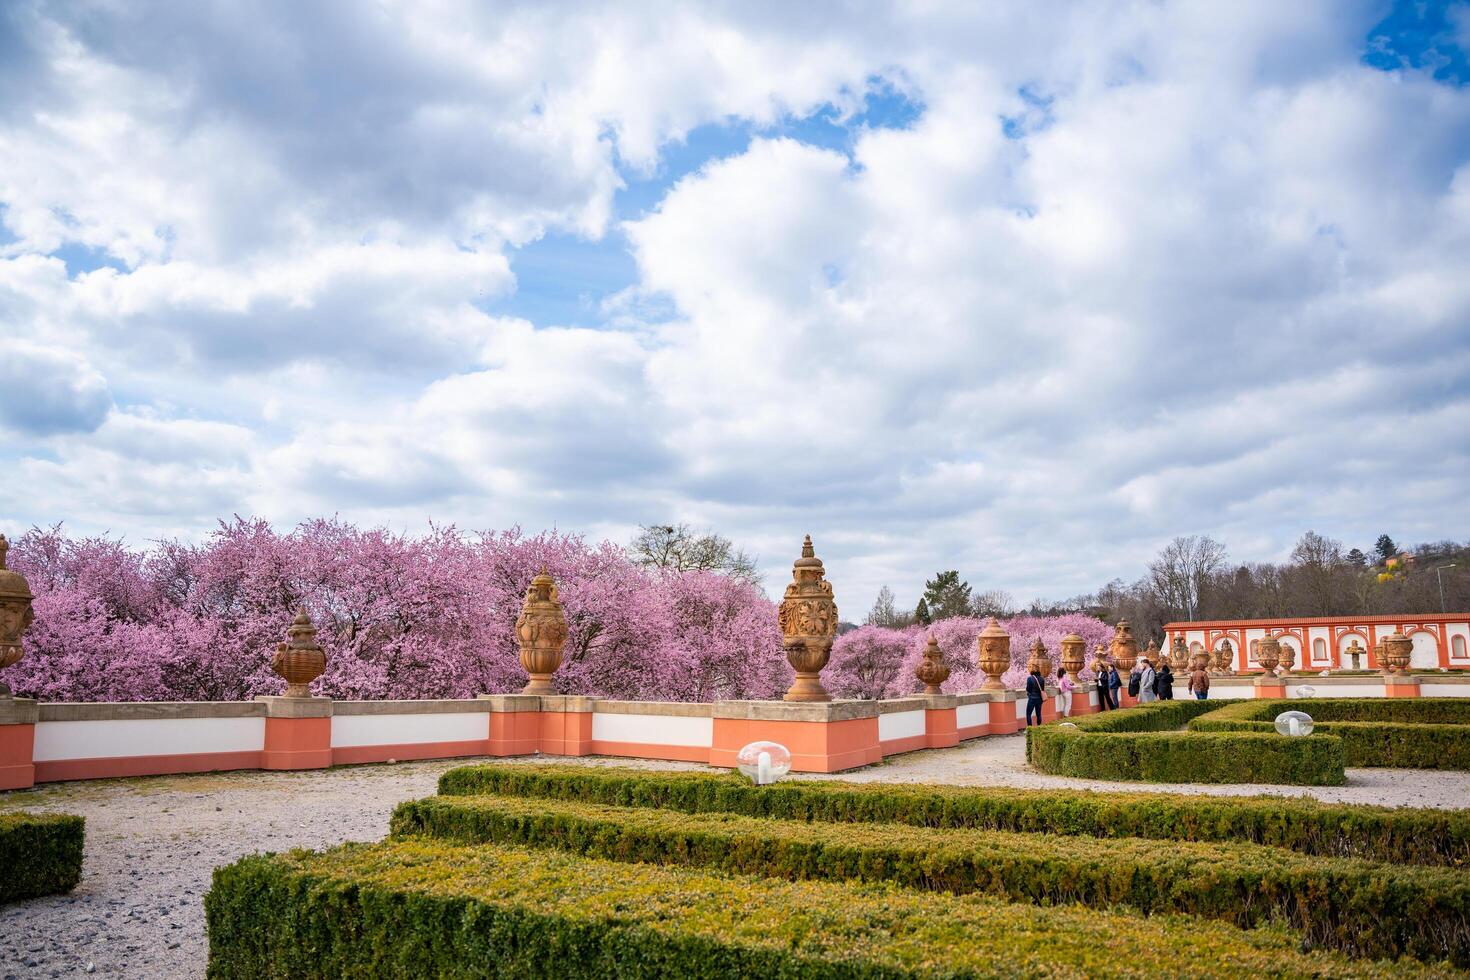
868	663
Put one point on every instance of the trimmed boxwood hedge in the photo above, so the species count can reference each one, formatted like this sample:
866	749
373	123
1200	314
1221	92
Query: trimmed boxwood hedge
40	854
1374	731
1142	745
1362	908
425	908
1410	835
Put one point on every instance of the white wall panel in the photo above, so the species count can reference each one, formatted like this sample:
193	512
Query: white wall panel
56	740
900	724
972	715
354	730
653	729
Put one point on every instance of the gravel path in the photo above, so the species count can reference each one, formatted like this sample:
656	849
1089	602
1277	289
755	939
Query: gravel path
152	843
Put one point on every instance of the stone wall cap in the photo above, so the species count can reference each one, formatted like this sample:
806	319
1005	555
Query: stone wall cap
938	702
566	702
679	709
511	702
149	710
18	711
891	706
796	710
281	707
428	706
973	697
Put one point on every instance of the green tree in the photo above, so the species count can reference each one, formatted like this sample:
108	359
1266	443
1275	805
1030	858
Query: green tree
947	596
1385	548
1357	559
921	613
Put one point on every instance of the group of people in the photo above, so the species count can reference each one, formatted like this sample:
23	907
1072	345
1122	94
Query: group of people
1144	683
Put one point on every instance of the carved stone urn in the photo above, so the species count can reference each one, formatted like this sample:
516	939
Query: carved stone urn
15	614
1099	659
994	658
1040	660
1225	659
808	618
1397	651
1179	656
541	629
1268	653
932	670
1074	651
1288	657
1199	660
300	660
1124	647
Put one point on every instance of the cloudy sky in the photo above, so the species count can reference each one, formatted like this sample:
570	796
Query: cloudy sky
1022	289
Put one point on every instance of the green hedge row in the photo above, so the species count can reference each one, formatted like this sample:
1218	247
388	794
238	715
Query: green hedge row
1419	711
425	908
1359	907
1188	757
40	854
1416	836
1156	716
1365	743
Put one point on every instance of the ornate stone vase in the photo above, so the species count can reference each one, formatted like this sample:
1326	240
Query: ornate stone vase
1397	651
1040	659
1179	655
808	618
1268	653
1199	660
1288	657
1074	651
1124	647
1099	659
300	660
541	629
932	670
1225	659
994	657
15	614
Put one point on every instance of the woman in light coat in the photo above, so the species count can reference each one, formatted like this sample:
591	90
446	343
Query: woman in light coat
1065	687
1146	683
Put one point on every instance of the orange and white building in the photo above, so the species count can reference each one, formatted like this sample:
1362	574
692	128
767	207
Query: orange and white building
1441	640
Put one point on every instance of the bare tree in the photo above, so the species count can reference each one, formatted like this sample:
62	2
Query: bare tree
885	611
993	602
1178	575
679	548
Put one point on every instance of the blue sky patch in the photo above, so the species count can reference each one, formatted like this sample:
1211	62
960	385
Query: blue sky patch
1424	36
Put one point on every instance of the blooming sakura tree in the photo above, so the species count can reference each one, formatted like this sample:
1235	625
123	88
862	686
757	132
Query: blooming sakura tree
400	617
867	662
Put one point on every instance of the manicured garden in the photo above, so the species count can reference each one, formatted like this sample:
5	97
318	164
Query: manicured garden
582	871
40	854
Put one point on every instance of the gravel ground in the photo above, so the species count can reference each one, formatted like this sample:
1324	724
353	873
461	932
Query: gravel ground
152	843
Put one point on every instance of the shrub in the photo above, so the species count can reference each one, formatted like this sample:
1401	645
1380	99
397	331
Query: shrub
1418	836
40	854
1363	908
424	908
1386	735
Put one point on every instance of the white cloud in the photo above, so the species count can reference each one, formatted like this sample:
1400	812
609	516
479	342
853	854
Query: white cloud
1216	285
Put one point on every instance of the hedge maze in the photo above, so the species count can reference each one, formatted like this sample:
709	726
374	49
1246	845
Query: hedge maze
530	870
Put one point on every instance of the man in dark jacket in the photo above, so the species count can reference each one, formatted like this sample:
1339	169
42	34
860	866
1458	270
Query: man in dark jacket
1035	692
1115	684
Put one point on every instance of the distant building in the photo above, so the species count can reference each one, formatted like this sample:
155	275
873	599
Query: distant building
1329	642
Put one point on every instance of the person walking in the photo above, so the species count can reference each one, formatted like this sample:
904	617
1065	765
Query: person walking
1146	677
1166	682
1065	687
1035	692
1199	684
1115	684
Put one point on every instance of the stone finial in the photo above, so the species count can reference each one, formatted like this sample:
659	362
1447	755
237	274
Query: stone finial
15	614
932	670
1040	659
541	629
1074	652
994	658
1124	646
1225	659
300	660
808	620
